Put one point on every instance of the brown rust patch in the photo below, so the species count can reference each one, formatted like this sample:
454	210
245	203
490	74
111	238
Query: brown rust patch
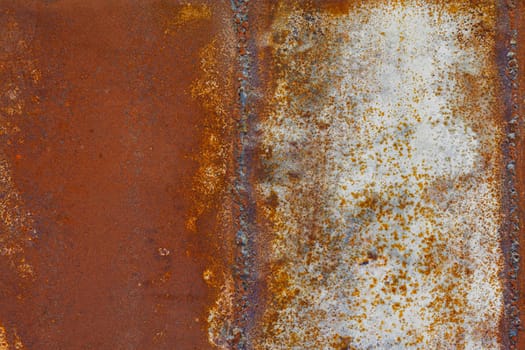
102	137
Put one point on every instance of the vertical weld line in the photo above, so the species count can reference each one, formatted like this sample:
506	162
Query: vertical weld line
244	270
510	229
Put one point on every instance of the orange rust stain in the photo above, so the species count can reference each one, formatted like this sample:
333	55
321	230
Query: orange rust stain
214	89
17	227
183	15
10	341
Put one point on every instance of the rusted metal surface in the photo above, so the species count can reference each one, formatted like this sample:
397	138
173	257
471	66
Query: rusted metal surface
260	174
115	154
381	182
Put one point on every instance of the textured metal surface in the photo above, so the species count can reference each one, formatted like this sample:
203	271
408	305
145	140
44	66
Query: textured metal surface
260	174
381	157
114	153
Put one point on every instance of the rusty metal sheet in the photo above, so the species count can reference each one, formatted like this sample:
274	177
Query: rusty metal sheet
116	130
317	174
385	175
381	146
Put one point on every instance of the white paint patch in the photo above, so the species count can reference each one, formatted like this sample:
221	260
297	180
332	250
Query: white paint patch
383	160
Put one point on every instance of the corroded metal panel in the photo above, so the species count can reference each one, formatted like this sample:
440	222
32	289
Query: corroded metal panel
381	182
260	174
382	137
116	129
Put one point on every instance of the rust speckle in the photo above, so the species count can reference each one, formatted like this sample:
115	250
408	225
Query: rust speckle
381	179
11	341
186	14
